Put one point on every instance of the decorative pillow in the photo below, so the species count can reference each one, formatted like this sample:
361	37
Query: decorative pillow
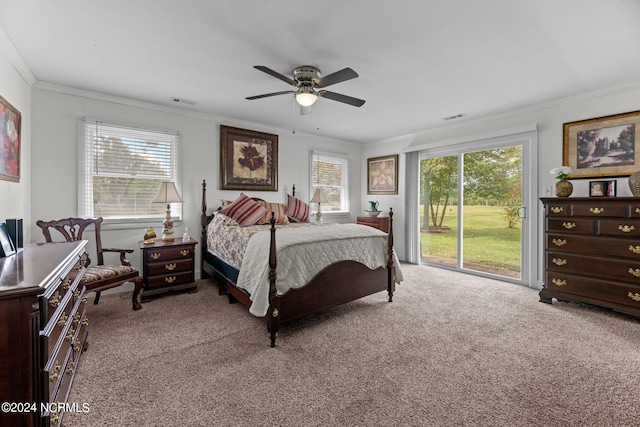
279	209
244	210
297	209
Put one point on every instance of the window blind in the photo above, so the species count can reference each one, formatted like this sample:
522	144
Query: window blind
121	168
331	172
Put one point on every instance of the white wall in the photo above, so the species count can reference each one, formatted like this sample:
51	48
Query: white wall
14	197
56	112
549	118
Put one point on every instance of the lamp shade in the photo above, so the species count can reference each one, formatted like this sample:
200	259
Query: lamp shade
167	193
306	96
319	196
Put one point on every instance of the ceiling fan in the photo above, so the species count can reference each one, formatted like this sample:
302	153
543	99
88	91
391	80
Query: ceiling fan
307	80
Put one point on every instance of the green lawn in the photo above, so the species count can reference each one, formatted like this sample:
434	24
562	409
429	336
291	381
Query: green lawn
487	240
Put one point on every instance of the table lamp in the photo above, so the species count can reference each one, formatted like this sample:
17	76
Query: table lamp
167	193
319	197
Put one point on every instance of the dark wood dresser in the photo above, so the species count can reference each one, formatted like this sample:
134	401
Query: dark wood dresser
43	331
592	251
381	223
168	266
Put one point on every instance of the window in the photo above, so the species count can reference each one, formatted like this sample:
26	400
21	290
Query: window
331	172
120	170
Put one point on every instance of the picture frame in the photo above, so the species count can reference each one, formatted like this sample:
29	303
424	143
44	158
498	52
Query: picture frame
382	175
603	188
6	245
10	138
248	160
602	147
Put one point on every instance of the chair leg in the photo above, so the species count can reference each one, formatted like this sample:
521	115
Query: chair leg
95	301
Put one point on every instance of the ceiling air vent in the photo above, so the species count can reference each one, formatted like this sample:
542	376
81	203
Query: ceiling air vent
183	101
457	116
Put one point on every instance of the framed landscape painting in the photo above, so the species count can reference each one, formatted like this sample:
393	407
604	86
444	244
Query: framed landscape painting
10	126
382	175
248	160
603	146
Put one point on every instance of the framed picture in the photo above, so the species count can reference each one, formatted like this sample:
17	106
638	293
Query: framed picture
248	160
382	175
10	126
6	245
602	188
604	146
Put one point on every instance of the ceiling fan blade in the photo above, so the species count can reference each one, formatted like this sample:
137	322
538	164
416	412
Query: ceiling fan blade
337	77
275	74
341	98
270	94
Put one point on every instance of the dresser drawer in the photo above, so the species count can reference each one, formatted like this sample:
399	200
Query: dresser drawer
571	225
619	227
601	291
593	245
170	266
600	210
605	268
169	280
163	254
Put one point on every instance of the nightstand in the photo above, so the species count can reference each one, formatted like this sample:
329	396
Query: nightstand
381	223
168	266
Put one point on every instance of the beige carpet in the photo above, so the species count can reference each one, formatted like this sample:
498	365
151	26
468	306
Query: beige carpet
451	350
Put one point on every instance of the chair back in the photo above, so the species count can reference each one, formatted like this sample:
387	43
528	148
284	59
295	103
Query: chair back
72	230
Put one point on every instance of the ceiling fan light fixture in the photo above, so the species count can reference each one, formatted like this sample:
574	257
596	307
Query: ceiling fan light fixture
306	96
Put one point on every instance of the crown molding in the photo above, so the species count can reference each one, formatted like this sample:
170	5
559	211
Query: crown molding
9	49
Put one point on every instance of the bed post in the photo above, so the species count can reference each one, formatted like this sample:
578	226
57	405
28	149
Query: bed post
273	319
391	269
203	230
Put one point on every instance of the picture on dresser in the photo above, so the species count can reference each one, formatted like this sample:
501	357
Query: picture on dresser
602	188
603	146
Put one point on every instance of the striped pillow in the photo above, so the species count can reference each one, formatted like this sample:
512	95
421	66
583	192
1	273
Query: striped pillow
297	209
244	210
279	209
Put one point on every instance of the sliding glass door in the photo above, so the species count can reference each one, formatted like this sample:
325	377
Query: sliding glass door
473	208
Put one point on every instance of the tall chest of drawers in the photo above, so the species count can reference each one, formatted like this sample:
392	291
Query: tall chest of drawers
592	252
43	331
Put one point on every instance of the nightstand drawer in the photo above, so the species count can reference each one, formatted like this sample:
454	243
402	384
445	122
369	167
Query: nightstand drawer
170	266
169	280
156	254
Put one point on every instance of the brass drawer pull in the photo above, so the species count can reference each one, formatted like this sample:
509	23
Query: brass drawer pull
70	334
635	272
155	255
635	250
55	299
85	321
556	209
70	367
76	319
55	372
559	242
170	267
66	284
559	261
558	282
185	252
596	210
63	320
626	228
170	279
635	297
569	225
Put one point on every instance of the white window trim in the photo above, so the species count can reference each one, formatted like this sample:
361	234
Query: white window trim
84	178
346	202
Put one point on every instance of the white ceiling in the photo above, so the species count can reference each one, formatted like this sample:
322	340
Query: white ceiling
419	61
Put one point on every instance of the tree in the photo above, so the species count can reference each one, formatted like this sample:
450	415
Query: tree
439	177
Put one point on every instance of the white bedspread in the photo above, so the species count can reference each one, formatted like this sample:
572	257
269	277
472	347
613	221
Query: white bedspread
299	260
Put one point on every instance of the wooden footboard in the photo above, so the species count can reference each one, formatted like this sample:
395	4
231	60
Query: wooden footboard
337	284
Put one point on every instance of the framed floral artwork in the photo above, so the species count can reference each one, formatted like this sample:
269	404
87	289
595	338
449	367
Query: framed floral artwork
603	146
248	160
10	125
382	175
